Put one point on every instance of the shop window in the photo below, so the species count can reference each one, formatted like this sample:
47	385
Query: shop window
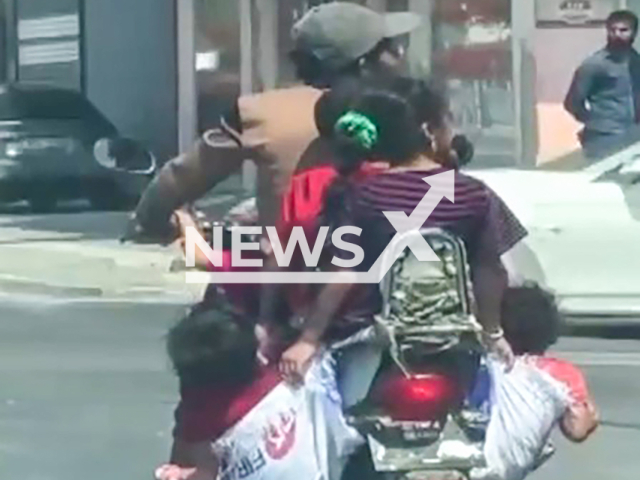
4	51
634	6
49	42
217	43
472	53
465	43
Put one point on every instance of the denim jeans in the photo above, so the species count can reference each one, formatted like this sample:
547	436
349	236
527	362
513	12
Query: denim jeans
358	359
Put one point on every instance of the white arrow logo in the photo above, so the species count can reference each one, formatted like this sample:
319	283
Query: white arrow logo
442	186
407	227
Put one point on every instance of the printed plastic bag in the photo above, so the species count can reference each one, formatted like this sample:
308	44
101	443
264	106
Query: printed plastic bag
525	403
292	434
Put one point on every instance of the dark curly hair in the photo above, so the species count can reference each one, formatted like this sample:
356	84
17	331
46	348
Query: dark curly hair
211	345
531	319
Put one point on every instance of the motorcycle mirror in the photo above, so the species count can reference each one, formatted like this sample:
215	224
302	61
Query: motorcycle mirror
124	154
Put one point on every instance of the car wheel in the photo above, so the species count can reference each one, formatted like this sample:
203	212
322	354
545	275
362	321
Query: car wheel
43	203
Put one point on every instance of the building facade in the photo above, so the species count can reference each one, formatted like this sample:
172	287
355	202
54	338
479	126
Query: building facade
507	63
242	47
163	70
121	53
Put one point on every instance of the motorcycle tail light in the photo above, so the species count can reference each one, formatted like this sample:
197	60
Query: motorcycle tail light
427	397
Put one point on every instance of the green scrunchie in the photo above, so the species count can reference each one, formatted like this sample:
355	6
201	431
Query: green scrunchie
359	127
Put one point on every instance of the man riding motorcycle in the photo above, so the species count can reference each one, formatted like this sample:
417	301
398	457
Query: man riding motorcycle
274	129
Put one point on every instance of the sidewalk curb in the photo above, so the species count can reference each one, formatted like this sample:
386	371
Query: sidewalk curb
589	322
10	284
94	270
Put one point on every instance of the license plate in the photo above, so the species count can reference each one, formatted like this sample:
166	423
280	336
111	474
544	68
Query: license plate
447	453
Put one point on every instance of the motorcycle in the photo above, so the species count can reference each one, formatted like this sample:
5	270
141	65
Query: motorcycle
418	421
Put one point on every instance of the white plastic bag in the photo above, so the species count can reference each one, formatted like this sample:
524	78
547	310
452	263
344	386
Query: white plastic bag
292	434
526	403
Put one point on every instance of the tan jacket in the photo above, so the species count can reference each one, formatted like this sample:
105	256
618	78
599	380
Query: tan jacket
278	131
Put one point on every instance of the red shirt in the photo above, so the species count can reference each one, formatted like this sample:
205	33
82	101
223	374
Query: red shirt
205	414
567	374
304	200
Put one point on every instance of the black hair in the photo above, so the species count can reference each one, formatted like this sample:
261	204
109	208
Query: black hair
413	103
334	103
530	318
211	345
626	16
399	107
427	99
308	68
400	133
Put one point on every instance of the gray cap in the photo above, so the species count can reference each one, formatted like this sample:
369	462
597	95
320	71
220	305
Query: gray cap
339	33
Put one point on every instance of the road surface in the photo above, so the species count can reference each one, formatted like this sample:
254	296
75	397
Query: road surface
87	393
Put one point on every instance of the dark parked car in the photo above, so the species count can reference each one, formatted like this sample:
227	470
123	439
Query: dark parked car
48	140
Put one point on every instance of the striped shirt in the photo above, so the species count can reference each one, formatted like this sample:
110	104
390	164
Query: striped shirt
478	217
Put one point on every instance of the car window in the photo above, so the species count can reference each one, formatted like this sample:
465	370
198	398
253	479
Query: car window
35	104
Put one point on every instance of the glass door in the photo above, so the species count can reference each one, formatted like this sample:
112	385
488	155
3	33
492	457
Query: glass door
217	59
472	54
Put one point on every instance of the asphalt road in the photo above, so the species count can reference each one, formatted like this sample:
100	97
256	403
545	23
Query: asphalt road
613	371
86	393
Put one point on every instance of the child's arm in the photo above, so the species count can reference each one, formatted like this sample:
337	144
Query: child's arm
296	360
580	421
581	417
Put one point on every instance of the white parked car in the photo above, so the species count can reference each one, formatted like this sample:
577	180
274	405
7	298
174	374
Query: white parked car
584	229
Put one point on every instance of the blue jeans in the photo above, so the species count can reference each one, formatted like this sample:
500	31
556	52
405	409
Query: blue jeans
358	359
357	366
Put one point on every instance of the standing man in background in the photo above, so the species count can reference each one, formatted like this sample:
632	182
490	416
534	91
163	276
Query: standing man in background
605	92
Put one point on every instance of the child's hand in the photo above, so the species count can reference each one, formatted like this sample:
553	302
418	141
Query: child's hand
175	472
297	359
580	421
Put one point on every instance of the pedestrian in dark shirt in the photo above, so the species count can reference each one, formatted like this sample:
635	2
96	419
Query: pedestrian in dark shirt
605	92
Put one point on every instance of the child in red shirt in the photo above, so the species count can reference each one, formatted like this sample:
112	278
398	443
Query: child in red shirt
538	394
531	322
